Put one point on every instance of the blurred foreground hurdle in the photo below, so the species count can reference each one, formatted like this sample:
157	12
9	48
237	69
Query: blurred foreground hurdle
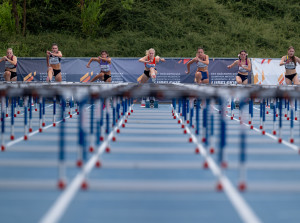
201	112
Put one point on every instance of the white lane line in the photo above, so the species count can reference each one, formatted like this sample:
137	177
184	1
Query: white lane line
292	146
55	213
271	113
20	139
32	133
240	205
33	111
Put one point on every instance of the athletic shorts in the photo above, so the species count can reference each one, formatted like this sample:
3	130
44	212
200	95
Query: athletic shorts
243	77
291	76
106	77
204	75
13	74
147	73
55	72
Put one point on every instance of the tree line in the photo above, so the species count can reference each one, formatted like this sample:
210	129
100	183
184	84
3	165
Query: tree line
74	16
126	28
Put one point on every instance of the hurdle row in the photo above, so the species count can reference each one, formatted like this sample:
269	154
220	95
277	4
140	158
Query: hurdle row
185	114
185	92
99	97
160	91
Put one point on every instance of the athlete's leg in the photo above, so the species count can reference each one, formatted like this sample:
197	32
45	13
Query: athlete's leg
50	74
198	76
296	80
7	75
14	78
245	81
206	80
288	81
139	78
144	79
238	80
153	72
99	76
58	77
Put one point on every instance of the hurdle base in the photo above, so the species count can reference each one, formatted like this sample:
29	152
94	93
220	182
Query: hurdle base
242	186
61	184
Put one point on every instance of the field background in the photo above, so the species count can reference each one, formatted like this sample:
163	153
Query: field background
126	28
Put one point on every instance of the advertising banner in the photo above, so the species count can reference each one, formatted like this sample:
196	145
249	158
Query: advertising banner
268	71
125	70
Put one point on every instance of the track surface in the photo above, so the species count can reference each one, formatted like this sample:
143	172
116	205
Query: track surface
152	173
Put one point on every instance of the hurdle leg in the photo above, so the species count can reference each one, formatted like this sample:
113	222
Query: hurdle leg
2	122
232	107
40	114
221	159
212	136
263	117
191	106
242	158
44	111
292	126
197	131
280	120
12	131
54	111
25	118
61	158
274	120
296	109
98	122
91	148
18	105
80	133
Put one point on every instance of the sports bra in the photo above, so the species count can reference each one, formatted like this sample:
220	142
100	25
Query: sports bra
151	64
9	65
54	59
291	65
242	69
104	66
201	64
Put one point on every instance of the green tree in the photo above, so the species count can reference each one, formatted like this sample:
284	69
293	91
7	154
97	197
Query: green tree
7	24
91	16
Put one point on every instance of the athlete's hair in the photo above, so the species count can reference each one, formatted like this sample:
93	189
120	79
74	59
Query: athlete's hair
200	48
54	44
147	51
9	49
293	57
104	51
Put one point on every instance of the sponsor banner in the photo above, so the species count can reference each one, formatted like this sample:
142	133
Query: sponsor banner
124	70
268	71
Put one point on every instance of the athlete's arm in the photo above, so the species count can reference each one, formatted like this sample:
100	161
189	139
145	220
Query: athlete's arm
93	59
282	62
160	59
233	64
189	64
13	61
144	59
58	54
248	68
107	59
206	61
